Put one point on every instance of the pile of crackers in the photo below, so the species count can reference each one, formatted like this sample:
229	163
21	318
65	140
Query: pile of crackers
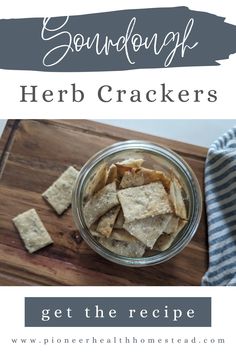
132	210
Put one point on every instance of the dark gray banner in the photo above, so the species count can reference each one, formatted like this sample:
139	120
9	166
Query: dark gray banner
118	312
119	40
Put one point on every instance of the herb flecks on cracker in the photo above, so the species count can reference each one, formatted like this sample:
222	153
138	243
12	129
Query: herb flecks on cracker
148	230
144	201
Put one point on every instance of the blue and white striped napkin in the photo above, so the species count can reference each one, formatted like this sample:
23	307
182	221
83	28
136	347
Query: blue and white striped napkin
220	195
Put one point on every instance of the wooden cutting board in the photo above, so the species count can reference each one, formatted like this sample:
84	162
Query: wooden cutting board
33	154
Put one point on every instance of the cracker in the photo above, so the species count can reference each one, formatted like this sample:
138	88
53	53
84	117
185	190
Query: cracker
127	165
141	176
144	201
121	170
100	203
177	199
59	194
97	181
125	249
112	174
32	230
172	225
122	235
118	235
120	220
149	229
134	163
107	221
165	241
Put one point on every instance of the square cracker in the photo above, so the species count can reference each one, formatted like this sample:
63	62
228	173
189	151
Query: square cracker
59	194
32	230
141	202
149	229
107	221
127	249
100	203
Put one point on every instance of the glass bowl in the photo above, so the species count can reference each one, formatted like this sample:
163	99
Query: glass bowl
155	157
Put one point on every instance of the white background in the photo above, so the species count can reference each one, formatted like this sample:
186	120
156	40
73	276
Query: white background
221	78
12	311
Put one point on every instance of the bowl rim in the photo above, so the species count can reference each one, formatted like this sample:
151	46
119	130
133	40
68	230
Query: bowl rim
155	148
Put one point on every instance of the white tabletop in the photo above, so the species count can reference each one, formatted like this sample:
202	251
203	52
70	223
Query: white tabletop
2	124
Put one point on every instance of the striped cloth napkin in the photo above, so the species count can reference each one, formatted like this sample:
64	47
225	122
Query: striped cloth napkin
220	195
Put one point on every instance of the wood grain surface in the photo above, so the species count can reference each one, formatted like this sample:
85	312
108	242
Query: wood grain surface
33	154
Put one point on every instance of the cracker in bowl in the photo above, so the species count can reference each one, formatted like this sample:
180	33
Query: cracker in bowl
138	210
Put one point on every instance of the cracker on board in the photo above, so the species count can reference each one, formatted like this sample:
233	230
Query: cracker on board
120	220
112	174
32	230
97	181
107	221
59	194
100	203
177	198
126	249
141	202
141	176
149	229
165	241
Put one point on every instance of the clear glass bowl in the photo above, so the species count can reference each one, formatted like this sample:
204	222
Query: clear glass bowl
155	157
